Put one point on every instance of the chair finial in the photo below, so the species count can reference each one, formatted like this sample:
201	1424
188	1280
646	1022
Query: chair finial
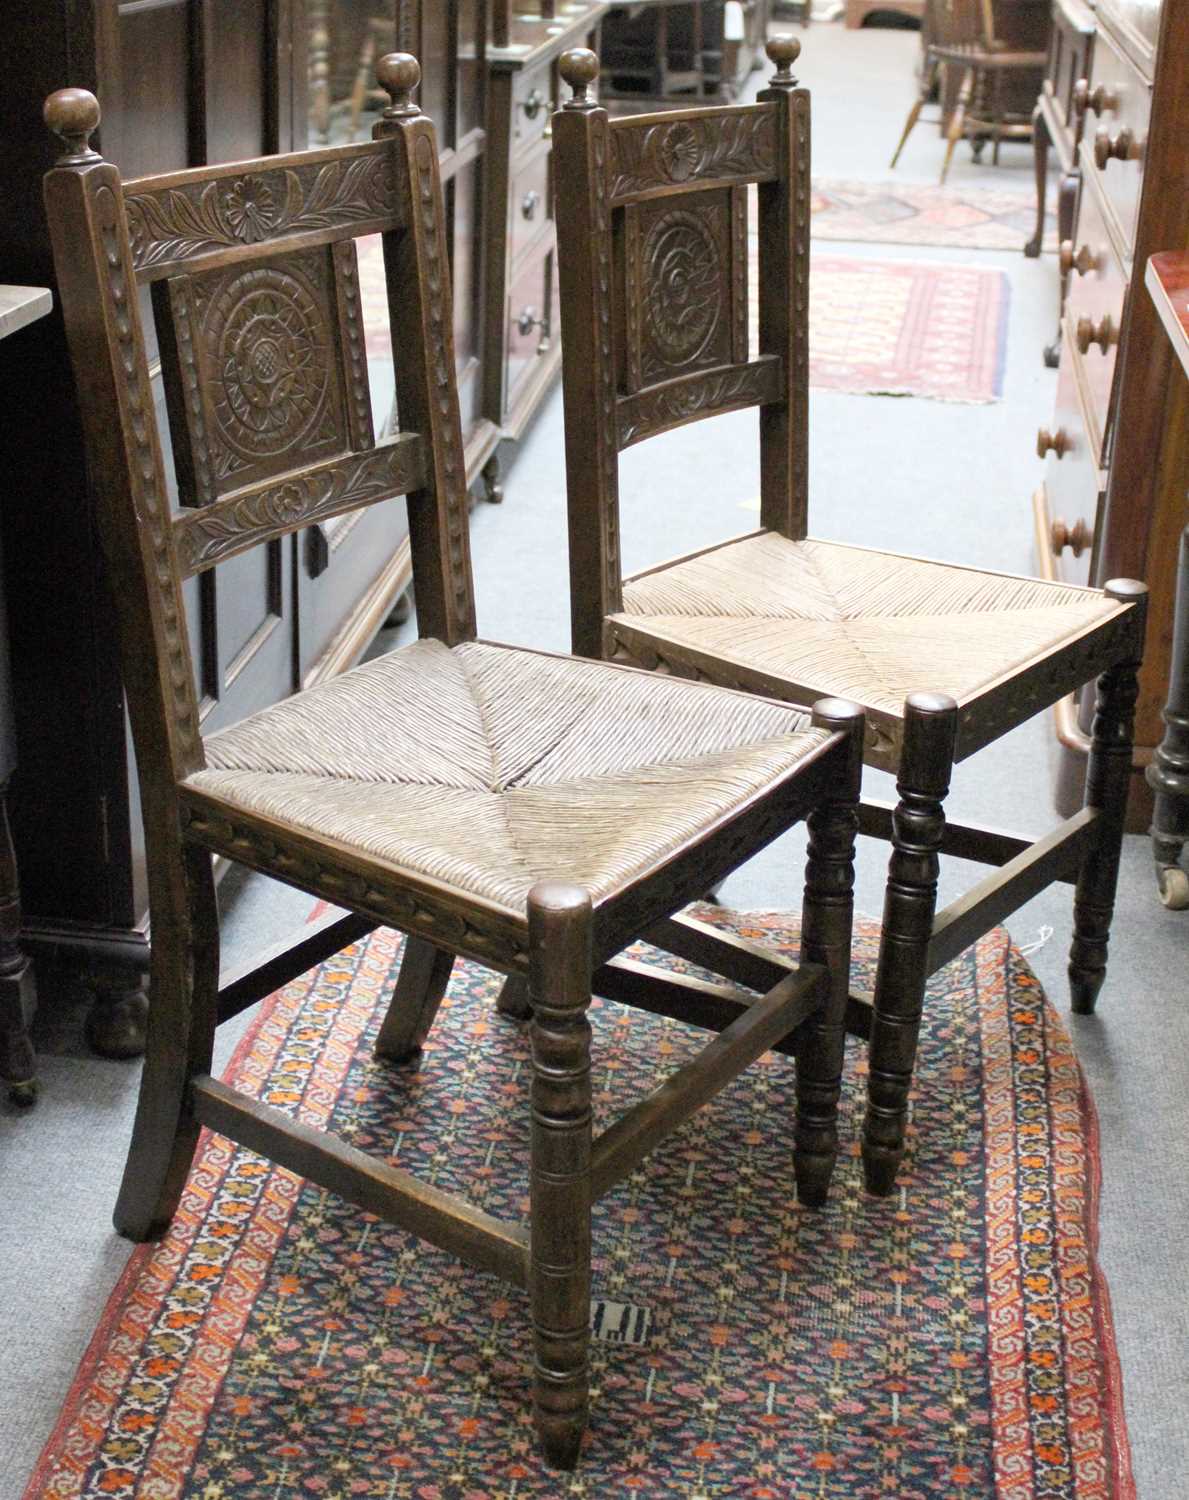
73	114
579	68
399	74
784	52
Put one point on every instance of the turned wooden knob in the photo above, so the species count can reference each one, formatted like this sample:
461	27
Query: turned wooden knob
1076	539
73	116
579	68
783	51
1103	333
1083	262
1123	146
1054	442
399	74
1099	99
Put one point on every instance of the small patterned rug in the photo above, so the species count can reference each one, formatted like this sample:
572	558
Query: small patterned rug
899	213
953	1341
876	327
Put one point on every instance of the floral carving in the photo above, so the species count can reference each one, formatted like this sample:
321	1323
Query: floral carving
177	223
683	266
207	536
699	395
741	146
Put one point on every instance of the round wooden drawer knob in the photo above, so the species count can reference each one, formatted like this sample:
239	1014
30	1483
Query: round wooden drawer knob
1052	442
1103	333
1083	262
1099	99
1076	539
1122	146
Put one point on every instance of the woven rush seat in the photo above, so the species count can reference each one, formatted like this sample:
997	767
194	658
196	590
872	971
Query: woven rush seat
818	617
488	769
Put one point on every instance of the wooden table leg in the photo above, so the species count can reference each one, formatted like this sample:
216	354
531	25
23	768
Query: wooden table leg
1168	775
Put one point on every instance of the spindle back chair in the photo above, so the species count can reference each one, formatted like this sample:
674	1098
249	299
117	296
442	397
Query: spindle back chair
531	812
653	251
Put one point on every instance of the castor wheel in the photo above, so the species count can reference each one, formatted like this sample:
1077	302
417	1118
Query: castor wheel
1173	883
23	1094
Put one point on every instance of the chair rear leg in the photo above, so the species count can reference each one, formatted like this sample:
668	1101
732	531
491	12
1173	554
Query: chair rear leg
512	1000
559	924
1108	780
914	115
184	991
957	125
930	728
420	988
826	920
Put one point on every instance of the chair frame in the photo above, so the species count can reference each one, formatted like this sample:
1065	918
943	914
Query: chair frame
110	238
609	168
983	63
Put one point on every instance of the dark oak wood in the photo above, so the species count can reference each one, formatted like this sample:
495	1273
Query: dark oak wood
256	332
647	348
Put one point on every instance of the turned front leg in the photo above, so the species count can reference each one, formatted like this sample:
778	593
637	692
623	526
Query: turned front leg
930	727
559	926
826	922
1108	780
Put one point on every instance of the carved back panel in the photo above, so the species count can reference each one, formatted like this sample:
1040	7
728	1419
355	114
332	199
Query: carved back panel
255	298
655	244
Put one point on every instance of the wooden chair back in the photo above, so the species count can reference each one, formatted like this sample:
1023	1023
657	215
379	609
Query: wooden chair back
958	26
653	256
256	301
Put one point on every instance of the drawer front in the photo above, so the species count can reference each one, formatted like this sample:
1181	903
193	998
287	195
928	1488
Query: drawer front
531	322
1094	306
530	207
1071	50
1122	122
1072	481
533	96
1137	23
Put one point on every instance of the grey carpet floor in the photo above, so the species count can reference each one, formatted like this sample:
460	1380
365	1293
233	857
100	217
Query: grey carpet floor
938	479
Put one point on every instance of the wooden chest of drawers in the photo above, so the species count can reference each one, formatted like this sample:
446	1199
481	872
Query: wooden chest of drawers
523	350
1109	446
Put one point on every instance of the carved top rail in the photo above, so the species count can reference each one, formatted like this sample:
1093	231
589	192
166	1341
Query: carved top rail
655	155
218	215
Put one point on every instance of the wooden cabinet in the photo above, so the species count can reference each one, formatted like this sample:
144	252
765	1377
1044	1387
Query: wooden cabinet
682	51
1124	418
522	348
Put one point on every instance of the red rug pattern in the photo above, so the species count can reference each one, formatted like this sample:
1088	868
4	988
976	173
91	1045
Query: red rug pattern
953	1341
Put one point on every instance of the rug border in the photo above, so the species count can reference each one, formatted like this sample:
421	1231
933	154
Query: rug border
1114	1413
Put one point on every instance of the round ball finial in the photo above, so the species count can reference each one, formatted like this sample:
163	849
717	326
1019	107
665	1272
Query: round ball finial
784	52
73	114
579	68
399	74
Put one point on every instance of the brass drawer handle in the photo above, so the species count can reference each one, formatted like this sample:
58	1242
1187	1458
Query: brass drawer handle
1077	538
1100	100
1121	147
533	105
1103	333
1058	442
527	321
529	203
1083	262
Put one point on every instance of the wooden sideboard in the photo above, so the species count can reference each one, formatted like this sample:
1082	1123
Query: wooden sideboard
183	82
1109	504
520	333
680	51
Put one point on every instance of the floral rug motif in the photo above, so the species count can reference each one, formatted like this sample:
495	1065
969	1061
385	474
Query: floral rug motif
952	1342
901	213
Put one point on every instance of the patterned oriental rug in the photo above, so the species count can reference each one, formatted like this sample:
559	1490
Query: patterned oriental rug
953	1341
887	328
899	213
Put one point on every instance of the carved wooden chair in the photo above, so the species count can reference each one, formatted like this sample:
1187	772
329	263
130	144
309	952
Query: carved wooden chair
653	258
532	812
960	34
